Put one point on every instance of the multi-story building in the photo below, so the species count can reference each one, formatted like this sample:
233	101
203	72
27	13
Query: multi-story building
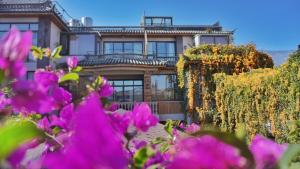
139	61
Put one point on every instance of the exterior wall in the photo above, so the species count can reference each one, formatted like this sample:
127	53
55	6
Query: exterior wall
19	20
54	36
188	41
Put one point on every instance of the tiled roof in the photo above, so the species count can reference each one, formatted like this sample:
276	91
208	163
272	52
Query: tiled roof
133	61
151	30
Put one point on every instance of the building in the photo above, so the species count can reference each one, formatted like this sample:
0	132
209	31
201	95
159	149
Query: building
139	61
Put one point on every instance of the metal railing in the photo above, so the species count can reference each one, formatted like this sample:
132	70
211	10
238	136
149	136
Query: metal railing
130	105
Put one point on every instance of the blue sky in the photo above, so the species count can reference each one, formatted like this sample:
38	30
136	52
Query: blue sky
270	24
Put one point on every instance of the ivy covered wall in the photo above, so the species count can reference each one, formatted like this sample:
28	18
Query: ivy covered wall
198	65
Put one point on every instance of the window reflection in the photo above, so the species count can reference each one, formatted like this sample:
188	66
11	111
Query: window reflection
161	49
82	44
164	87
123	48
214	40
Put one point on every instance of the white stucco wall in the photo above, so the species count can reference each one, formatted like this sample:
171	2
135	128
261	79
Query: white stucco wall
187	42
54	36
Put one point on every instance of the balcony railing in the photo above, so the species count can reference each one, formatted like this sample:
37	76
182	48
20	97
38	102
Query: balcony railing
130	105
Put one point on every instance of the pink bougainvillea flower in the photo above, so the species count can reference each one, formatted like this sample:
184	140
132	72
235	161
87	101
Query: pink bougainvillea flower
72	62
61	97
192	128
266	152
142	117
46	78
14	48
121	122
44	124
113	107
106	90
31	97
94	143
64	119
205	152
66	115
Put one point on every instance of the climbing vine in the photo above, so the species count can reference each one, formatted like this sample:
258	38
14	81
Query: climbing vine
264	101
198	65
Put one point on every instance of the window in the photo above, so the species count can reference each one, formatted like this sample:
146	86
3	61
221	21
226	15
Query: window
30	75
157	21
82	44
123	48
214	40
161	49
23	27
164	87
127	90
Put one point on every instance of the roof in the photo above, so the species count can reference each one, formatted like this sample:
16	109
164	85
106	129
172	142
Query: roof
32	7
143	31
92	61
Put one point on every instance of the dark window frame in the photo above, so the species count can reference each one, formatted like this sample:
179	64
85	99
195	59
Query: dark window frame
123	88
123	48
214	38
155	56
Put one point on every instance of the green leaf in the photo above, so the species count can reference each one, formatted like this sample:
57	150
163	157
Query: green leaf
141	156
158	140
169	127
15	133
1	76
292	151
232	140
69	77
56	53
37	52
77	69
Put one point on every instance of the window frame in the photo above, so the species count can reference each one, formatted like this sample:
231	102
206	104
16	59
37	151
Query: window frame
176	94
214	38
127	85
123	47
155	56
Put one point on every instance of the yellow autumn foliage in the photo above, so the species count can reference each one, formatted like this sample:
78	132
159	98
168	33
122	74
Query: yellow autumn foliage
196	67
263	101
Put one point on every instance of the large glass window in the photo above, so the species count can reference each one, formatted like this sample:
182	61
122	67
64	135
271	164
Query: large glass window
214	40
123	48
161	49
164	87
23	27
127	90
83	44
